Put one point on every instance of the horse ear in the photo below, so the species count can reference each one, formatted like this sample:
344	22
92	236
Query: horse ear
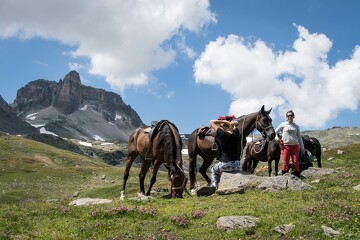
262	109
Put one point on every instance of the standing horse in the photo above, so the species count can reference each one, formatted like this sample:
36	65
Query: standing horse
203	146
265	152
164	146
313	146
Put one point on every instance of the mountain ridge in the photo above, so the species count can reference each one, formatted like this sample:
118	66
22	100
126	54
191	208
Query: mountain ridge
71	110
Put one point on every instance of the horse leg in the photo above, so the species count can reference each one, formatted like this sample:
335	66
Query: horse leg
245	167
204	167
192	170
192	153
318	158
129	161
254	165
269	166
153	178
277	165
144	169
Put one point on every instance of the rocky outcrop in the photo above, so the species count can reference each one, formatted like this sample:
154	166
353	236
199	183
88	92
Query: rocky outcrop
68	97
12	124
69	109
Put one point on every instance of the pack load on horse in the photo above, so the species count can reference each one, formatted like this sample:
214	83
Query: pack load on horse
313	145
262	151
312	148
162	146
202	141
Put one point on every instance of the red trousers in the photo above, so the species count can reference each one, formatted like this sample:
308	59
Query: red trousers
293	152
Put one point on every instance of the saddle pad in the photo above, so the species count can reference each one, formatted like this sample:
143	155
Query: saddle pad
147	130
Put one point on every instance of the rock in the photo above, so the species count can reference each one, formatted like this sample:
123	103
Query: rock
141	197
315	181
235	181
328	231
340	152
238	179
226	191
236	222
317	172
76	194
285	228
330	158
283	183
357	187
89	201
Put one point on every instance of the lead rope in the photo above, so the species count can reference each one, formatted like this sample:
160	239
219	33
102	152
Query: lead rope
242	139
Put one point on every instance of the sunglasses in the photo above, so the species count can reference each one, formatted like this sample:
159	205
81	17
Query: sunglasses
289	115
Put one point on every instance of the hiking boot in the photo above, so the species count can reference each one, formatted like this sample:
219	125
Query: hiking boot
206	190
297	174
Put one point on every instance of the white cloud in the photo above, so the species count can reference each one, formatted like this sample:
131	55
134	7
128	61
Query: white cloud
300	79
124	40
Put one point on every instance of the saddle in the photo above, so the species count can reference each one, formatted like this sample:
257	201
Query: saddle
204	131
262	143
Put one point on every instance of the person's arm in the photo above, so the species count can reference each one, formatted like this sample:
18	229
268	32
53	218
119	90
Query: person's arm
278	131
215	123
234	124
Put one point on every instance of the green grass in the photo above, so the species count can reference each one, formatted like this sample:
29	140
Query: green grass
37	183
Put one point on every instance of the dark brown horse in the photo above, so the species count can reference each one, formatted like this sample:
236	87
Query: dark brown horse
313	146
203	146
265	151
165	147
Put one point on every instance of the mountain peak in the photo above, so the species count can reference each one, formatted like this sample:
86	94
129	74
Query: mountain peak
73	77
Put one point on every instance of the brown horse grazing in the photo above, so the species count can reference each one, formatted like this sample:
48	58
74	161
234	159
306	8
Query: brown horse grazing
165	147
265	152
203	145
313	146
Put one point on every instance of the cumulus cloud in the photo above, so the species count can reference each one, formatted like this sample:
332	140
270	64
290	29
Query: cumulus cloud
300	78
124	40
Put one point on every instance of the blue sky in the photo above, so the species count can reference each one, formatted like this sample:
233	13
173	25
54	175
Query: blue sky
190	61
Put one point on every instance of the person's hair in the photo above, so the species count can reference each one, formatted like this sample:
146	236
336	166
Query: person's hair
227	118
290	111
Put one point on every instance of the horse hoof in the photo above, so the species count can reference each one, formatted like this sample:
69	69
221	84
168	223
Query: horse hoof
122	196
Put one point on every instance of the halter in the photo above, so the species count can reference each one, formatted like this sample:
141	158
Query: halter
262	126
182	187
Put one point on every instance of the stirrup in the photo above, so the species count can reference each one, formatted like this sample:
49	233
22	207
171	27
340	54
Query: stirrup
214	147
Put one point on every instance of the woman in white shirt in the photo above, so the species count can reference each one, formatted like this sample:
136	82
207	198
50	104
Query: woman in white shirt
289	134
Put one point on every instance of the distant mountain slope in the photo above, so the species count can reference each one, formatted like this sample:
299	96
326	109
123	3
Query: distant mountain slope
12	124
19	153
69	109
337	136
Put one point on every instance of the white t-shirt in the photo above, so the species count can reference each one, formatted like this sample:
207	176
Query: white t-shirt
290	134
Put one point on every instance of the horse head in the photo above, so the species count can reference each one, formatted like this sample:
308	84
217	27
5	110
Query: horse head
178	184
263	123
172	144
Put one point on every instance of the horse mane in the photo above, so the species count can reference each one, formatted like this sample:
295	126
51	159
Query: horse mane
167	139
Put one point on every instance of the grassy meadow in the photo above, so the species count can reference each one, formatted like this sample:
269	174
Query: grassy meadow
37	183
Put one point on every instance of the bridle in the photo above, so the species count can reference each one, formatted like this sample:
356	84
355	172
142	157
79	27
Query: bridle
262	126
183	186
